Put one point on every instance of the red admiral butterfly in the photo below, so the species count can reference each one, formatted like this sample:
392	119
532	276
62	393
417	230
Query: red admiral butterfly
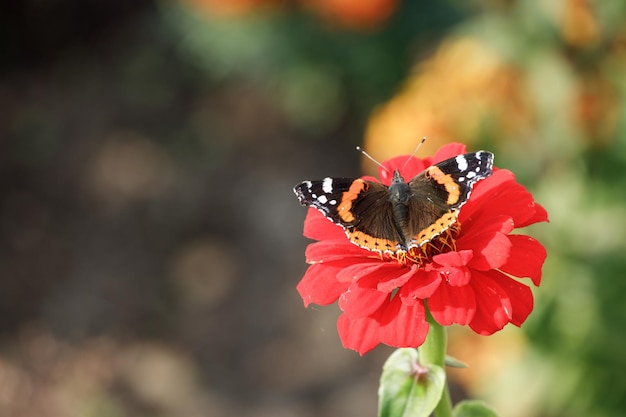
404	215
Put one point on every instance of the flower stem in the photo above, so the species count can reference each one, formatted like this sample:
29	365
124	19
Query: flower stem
433	352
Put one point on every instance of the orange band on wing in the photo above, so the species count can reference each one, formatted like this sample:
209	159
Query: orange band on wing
438	227
372	243
345	207
452	188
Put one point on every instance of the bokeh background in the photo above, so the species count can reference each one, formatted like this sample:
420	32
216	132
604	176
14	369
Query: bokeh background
150	242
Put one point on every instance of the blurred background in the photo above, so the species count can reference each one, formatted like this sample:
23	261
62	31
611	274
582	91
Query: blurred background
150	242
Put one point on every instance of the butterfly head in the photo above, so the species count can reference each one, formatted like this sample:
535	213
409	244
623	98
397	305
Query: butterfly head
399	189
397	178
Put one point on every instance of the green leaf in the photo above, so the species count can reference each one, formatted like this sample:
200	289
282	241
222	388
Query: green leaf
473	408
453	362
408	389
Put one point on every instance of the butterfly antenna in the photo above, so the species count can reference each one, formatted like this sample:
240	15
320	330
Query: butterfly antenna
417	148
358	148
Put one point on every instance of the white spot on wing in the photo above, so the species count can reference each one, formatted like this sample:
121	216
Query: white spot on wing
461	162
327	185
322	199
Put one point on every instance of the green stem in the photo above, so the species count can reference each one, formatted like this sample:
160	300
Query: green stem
433	351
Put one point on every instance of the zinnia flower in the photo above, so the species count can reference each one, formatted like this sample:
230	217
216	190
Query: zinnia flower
467	280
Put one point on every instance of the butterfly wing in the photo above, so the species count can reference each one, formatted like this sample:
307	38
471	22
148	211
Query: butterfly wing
438	193
367	214
361	207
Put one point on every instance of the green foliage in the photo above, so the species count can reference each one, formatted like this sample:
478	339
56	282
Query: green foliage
473	408
408	389
453	362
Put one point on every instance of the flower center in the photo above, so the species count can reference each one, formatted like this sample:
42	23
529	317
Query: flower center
444	242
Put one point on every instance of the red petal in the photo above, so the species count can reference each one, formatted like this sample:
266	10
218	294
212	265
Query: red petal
403	325
359	268
488	241
362	298
320	286
457	276
408	166
520	295
453	267
486	224
420	287
483	191
358	334
448	151
541	215
526	258
318	227
493	254
451	304
391	283
333	250
499	194
493	305
457	258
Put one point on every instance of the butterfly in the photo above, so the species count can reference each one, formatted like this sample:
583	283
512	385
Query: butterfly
401	216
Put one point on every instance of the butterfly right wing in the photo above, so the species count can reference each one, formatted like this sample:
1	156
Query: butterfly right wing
438	193
361	207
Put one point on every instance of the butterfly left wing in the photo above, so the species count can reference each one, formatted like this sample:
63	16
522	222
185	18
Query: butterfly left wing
361	207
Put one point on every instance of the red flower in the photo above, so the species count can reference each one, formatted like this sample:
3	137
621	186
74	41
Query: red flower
468	282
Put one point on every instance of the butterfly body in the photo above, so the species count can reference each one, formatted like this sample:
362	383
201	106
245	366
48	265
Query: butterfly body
403	215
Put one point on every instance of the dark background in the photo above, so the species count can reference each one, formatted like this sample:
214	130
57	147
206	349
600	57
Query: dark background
150	242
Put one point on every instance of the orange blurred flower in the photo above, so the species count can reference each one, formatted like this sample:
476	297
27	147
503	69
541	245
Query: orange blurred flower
463	89
579	25
358	14
596	108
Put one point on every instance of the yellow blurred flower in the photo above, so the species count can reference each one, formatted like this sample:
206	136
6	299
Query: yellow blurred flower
579	26
463	89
